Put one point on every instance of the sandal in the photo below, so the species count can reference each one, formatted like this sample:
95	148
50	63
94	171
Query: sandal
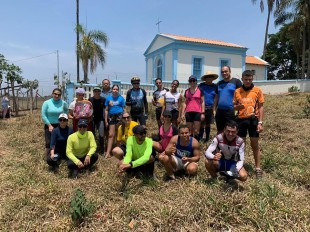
258	173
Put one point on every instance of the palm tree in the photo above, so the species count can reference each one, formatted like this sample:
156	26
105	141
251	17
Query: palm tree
89	50
297	13
270	4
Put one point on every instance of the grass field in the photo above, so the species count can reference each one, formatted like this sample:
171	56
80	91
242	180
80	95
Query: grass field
34	199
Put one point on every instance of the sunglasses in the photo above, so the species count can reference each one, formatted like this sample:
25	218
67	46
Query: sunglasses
190	81
126	117
136	83
57	94
167	116
224	72
158	83
82	126
63	120
142	133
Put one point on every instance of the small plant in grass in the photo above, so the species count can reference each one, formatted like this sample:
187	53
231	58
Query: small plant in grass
293	89
306	108
79	207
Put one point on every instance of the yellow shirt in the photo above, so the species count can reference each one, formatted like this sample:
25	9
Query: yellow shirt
127	132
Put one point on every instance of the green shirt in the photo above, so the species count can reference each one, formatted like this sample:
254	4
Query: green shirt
79	145
138	154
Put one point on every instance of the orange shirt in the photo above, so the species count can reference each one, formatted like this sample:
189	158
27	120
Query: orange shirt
250	100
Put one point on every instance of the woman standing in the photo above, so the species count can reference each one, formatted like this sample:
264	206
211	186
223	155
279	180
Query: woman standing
5	105
115	106
173	103
194	107
51	109
59	142
123	132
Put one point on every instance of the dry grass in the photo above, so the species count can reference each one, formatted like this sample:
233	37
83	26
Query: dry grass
33	199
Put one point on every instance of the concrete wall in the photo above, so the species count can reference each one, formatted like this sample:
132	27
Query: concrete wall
260	71
268	87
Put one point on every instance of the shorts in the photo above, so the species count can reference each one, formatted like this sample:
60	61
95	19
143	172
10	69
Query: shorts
192	116
158	113
123	148
115	119
179	164
226	165
248	125
222	117
175	115
141	119
209	117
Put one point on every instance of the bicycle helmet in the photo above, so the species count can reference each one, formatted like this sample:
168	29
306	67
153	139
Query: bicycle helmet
135	79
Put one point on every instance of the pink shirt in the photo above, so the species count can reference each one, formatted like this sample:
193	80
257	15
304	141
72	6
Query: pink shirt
166	136
193	101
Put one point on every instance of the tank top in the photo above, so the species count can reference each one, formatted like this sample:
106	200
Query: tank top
193	100
165	136
186	151
171	100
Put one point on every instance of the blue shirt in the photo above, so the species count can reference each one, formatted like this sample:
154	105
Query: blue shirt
51	110
59	139
115	104
209	92
225	91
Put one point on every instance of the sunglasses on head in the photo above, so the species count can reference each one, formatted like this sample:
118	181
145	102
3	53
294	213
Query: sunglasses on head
82	126
63	120
190	81
128	117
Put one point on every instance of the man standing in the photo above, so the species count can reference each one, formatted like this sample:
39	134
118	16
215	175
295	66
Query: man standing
224	100
209	91
226	154
249	100
139	158
136	99
158	99
182	153
106	88
98	112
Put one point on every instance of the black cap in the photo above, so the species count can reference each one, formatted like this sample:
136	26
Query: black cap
83	122
139	129
167	113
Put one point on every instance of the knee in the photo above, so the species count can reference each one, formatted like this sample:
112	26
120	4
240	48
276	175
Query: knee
192	170
243	177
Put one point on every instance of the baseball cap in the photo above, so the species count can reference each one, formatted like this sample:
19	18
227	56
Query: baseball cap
80	91
63	116
83	122
96	88
139	129
167	113
192	77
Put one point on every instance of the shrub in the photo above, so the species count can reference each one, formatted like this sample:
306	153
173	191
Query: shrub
79	207
306	108
293	89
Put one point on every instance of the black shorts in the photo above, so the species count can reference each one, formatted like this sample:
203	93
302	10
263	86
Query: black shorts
115	119
123	148
222	117
158	113
192	116
175	115
209	117
248	125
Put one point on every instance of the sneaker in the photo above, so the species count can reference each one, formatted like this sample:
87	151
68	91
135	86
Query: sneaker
258	173
73	174
169	178
230	174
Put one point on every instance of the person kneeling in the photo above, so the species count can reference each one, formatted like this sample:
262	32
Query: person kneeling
226	154
139	158
182	153
81	147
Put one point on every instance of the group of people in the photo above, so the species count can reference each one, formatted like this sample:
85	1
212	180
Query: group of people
177	145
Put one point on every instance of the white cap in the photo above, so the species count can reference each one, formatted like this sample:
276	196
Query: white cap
63	116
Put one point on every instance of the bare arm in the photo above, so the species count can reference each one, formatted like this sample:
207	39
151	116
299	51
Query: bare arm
171	148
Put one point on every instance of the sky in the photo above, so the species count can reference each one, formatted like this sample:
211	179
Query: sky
33	30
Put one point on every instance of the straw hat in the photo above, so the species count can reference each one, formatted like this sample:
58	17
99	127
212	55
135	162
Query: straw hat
209	74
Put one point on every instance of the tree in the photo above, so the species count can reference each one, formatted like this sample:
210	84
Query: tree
270	5
281	56
89	50
298	13
31	85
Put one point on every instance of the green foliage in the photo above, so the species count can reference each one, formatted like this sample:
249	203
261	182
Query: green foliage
79	207
306	109
293	89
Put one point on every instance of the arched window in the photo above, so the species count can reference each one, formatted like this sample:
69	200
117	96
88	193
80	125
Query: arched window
159	69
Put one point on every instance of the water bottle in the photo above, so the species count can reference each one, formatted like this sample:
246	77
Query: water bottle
56	156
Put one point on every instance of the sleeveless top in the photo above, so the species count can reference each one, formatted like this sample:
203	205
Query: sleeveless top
193	100
166	136
186	151
172	101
